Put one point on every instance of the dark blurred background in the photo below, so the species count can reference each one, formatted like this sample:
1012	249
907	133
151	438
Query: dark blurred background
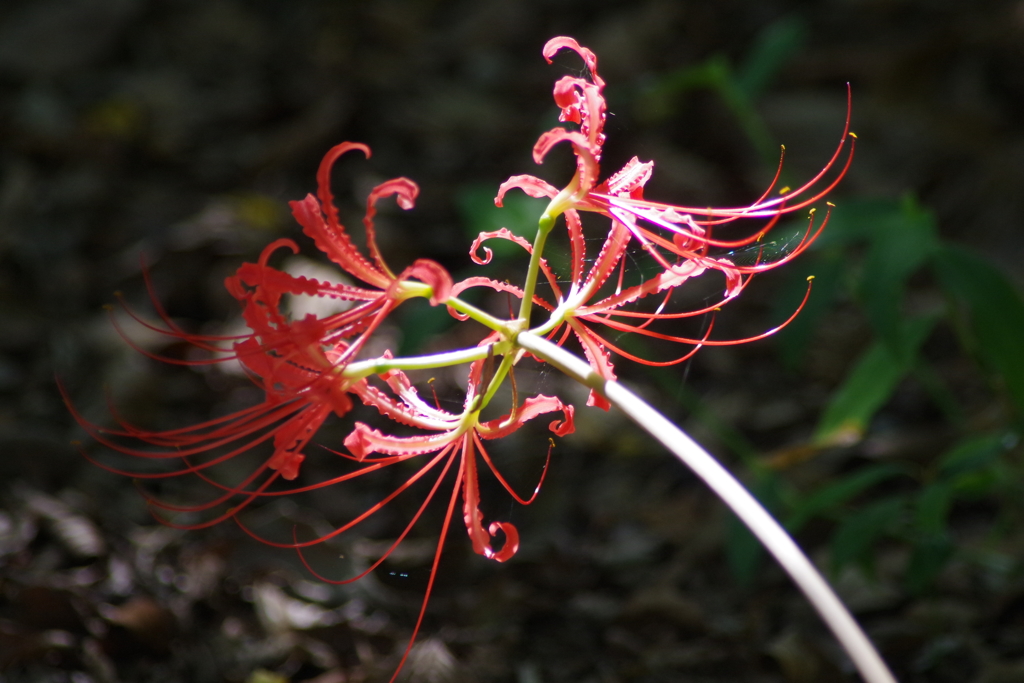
882	427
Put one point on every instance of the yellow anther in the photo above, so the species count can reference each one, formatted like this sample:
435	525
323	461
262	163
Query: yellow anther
810	277
853	135
830	204
784	190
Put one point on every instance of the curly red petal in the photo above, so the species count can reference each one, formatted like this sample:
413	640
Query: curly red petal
364	441
531	185
433	274
511	540
589	58
501	233
330	238
598	358
531	408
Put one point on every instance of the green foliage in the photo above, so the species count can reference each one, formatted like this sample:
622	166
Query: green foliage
774	47
419	324
858	532
868	386
898	244
519	214
931	545
839	493
738	87
885	244
869	257
874	248
993	311
743	551
896	240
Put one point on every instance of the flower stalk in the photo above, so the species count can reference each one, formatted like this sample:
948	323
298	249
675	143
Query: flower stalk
760	522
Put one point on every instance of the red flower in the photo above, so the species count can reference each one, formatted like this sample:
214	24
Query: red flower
297	363
304	366
449	438
300	365
678	238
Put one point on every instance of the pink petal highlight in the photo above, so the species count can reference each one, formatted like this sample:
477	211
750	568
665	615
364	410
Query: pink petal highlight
551	138
559	42
332	239
501	233
531	185
531	408
511	545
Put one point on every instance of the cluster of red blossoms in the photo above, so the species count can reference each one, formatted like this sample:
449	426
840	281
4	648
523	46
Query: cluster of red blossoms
312	367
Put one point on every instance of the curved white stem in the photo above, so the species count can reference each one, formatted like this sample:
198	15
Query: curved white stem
743	504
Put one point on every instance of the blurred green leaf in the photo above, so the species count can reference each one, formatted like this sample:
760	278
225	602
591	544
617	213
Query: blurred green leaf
837	494
858	532
743	551
867	388
827	269
932	508
420	322
773	48
479	214
972	454
995	312
856	220
900	242
973	468
900	237
927	558
931	545
658	101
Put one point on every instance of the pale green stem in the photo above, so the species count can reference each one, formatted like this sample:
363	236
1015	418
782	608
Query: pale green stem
377	366
482	317
544	225
867	660
507	361
410	289
556	318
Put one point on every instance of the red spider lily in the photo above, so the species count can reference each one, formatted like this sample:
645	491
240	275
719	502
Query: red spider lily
684	253
450	437
462	435
300	366
303	365
298	363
